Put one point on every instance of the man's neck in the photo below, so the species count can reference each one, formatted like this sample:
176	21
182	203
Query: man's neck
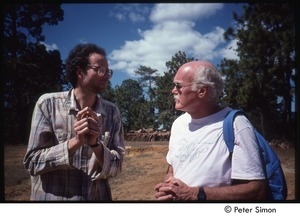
84	99
206	111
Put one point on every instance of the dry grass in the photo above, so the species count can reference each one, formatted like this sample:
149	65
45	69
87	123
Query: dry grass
144	166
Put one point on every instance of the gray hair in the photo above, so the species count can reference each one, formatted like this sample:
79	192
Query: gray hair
209	76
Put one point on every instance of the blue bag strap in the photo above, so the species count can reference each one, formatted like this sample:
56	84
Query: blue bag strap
228	132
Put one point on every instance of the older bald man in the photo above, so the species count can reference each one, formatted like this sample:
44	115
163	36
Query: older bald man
200	165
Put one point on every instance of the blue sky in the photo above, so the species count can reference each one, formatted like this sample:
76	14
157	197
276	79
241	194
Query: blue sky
145	34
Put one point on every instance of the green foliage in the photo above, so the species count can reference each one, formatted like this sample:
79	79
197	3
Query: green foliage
23	23
147	80
132	104
165	101
109	93
232	80
177	60
29	69
266	47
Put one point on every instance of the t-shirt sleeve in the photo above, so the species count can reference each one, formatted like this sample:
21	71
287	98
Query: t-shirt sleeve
246	157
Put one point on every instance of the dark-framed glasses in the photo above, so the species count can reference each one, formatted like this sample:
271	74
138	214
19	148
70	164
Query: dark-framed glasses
102	71
178	85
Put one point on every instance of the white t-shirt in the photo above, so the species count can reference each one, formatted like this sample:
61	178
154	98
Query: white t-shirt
199	156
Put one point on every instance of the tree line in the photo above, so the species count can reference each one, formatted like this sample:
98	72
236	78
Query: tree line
261	81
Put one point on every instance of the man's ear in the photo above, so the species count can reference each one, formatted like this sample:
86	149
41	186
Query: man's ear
79	72
202	92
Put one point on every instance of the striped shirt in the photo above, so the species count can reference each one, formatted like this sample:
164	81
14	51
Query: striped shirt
55	175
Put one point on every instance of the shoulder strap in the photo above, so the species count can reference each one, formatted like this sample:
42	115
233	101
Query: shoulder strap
228	132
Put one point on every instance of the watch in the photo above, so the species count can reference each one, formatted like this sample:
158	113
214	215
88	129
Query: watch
201	194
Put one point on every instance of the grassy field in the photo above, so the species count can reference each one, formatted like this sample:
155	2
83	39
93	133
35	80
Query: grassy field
144	166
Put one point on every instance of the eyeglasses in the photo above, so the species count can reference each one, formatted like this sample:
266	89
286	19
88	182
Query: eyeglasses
178	85
100	70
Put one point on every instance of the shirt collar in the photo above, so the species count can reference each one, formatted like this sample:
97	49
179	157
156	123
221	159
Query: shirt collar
73	110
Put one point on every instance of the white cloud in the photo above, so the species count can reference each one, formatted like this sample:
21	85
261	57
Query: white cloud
49	47
230	50
179	11
173	30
